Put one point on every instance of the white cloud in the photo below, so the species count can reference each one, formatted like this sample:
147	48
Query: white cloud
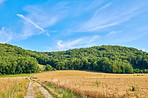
98	10
69	44
4	36
124	37
30	21
45	15
103	18
144	50
39	18
28	29
48	34
93	4
77	43
92	39
111	33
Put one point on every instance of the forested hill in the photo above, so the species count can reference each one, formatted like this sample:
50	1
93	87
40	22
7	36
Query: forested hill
112	59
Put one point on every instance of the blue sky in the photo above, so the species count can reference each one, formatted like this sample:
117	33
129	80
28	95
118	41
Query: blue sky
54	25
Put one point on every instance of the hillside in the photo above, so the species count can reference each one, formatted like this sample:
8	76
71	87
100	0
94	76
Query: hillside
112	59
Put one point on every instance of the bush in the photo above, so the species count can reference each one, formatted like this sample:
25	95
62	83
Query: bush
49	68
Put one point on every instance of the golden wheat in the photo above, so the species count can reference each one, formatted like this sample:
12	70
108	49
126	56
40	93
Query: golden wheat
13	87
95	84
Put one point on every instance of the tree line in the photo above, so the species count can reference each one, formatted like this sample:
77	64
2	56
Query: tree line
111	59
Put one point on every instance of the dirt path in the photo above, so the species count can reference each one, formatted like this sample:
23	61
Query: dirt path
31	92
43	91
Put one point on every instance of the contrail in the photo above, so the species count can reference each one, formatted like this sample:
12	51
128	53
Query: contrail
30	21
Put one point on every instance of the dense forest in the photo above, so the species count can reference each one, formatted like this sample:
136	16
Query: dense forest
111	59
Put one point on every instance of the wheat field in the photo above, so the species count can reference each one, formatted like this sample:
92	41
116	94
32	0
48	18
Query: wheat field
93	84
15	87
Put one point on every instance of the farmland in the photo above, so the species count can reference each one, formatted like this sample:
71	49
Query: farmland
16	86
13	87
93	84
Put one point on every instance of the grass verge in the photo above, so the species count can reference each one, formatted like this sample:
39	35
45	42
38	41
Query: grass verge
15	75
58	92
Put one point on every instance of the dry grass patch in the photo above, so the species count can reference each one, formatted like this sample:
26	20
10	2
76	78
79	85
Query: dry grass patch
95	84
13	87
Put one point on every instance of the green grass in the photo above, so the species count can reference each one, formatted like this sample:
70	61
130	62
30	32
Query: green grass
64	93
41	67
15	75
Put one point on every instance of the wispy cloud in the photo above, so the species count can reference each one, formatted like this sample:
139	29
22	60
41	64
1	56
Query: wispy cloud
112	33
39	19
69	19
30	21
103	18
93	4
129	38
4	36
48	34
77	43
98	10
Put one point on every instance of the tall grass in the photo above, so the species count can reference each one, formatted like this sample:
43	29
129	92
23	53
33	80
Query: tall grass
13	87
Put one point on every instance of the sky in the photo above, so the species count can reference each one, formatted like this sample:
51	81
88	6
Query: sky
56	25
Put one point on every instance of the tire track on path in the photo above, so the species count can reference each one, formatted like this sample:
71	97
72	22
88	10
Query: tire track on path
43	91
31	92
